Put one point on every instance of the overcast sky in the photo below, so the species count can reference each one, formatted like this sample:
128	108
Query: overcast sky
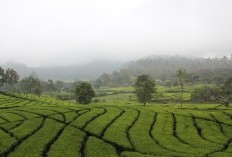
64	32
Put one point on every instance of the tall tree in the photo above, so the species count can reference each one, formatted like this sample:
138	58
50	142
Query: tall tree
59	85
2	76
181	74
227	88
31	84
144	88
104	79
51	86
11	77
84	93
227	92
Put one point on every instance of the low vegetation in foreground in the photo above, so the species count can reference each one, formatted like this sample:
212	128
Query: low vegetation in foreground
49	127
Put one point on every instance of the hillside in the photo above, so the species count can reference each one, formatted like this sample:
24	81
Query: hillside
164	68
48	127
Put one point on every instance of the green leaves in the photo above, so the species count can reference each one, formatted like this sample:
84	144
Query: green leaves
206	93
144	87
10	76
31	84
84	93
227	88
1	76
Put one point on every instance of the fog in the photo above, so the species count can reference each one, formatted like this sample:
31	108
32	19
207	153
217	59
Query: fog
58	32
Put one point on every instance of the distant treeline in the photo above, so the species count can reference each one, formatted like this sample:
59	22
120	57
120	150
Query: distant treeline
211	70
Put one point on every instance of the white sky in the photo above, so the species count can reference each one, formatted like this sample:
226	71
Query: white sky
64	32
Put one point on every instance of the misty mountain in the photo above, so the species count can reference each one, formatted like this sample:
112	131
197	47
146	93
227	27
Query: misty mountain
88	71
22	69
158	66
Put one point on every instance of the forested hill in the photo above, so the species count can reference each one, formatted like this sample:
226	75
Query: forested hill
165	67
158	65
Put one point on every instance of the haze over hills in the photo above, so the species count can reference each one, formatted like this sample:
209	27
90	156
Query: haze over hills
157	66
88	71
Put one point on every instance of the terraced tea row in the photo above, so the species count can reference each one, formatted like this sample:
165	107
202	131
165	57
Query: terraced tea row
32	128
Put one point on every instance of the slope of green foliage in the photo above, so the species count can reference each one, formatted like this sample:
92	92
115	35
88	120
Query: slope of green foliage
48	127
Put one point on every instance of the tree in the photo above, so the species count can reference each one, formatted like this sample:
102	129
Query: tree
11	77
51	86
168	83
2	76
144	87
227	88
74	85
59	85
84	93
227	92
104	79
181	74
97	83
206	93
31	84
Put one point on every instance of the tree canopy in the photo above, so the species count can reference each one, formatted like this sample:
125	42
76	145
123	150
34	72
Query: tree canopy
144	87
84	93
31	84
228	87
2	73
206	93
9	77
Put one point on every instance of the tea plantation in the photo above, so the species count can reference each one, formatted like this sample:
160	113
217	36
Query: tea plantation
46	127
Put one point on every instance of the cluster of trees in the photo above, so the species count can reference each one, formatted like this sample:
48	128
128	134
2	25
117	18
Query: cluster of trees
8	77
53	86
30	85
144	89
222	94
215	93
144	86
163	70
165	67
115	78
33	85
206	93
83	90
9	80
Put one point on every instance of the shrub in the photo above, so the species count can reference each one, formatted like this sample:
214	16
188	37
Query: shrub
96	100
225	101
206	93
102	93
168	83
